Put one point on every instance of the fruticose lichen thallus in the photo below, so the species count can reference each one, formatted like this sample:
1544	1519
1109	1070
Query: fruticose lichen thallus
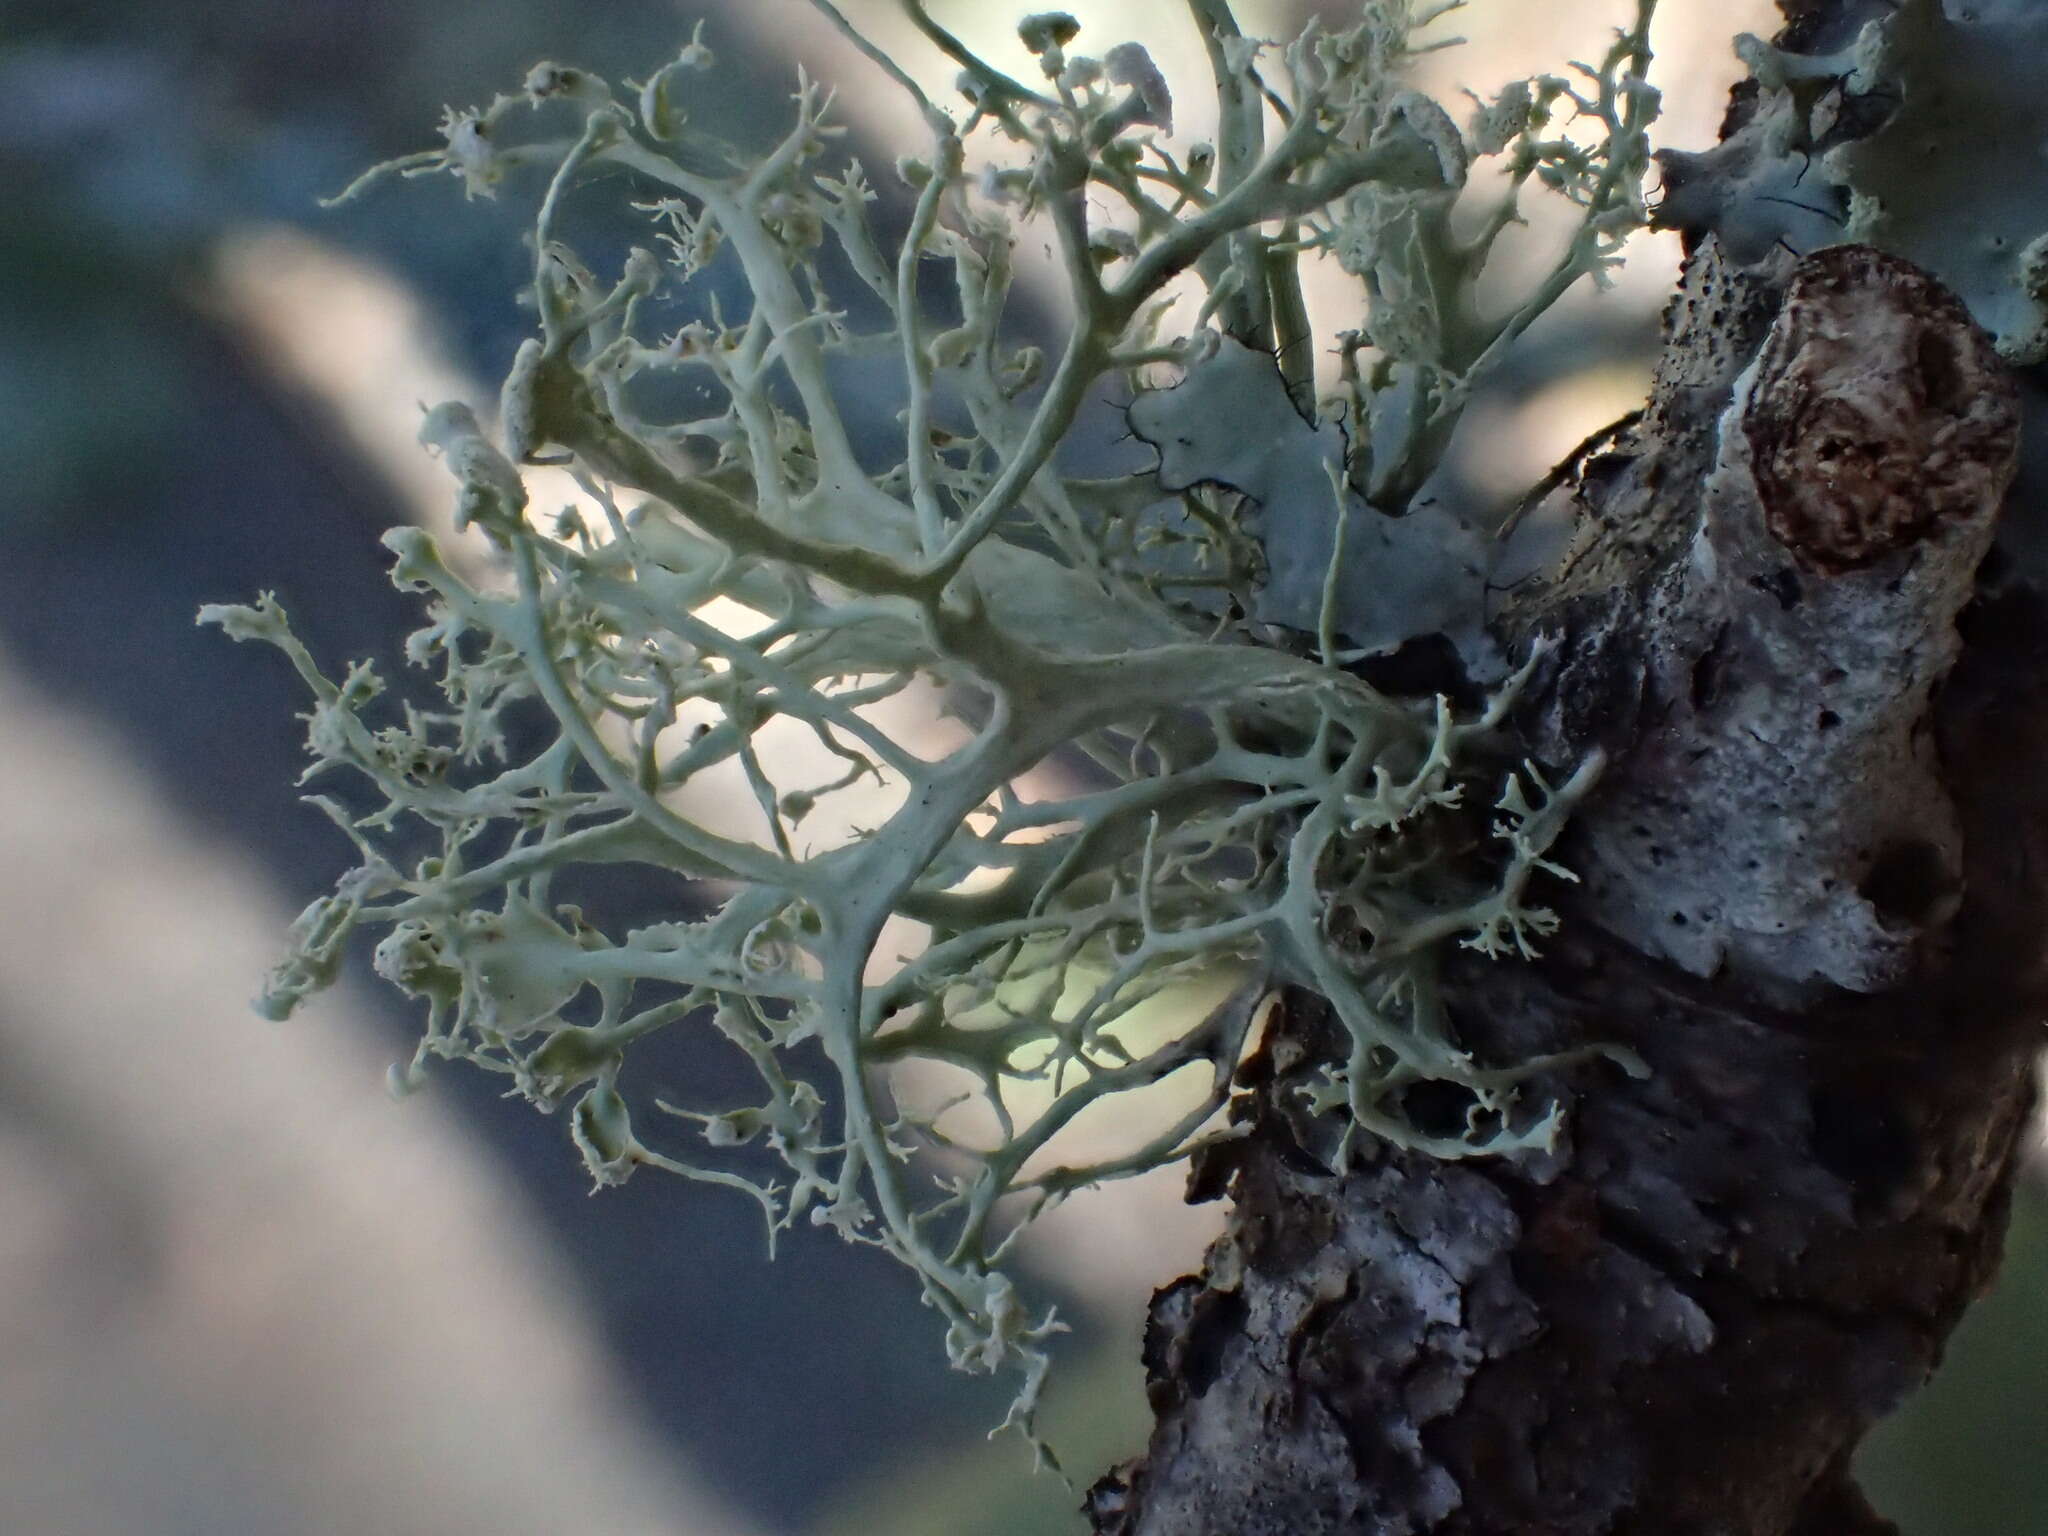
1226	796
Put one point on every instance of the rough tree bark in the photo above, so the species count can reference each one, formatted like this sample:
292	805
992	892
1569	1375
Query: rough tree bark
1815	890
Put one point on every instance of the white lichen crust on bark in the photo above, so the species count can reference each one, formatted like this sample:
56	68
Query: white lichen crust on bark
1788	820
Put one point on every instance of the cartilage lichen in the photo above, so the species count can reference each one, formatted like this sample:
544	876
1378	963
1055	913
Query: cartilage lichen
1248	805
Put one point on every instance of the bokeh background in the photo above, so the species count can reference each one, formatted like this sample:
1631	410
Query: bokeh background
241	1289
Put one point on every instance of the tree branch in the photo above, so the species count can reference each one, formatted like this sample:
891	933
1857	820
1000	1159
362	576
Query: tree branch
1813	902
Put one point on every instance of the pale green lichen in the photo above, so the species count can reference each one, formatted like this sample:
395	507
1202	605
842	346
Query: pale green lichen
1249	807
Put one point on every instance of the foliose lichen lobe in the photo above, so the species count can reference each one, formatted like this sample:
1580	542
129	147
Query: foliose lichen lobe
1859	144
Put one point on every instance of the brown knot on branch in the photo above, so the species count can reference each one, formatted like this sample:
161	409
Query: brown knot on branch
1879	411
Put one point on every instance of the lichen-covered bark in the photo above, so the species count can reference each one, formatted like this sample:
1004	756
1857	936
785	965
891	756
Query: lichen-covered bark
1815	889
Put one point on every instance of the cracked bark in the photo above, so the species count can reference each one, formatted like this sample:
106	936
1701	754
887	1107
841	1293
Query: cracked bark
1815	890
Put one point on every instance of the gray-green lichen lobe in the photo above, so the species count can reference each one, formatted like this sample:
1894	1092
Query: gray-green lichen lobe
1956	178
1923	132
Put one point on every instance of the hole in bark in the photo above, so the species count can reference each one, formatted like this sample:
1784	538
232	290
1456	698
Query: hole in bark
1422	666
1783	584
1438	1108
1709	669
1907	882
1857	1138
1828	720
1940	375
1218	1317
